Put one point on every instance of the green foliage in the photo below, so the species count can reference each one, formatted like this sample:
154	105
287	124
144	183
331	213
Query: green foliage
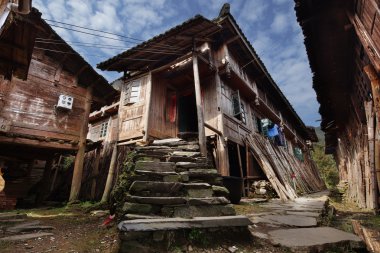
198	236
124	181
326	166
67	162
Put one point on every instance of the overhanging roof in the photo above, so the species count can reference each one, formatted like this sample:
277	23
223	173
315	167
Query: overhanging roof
162	48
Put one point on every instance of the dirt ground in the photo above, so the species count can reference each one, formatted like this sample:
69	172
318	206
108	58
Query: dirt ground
75	231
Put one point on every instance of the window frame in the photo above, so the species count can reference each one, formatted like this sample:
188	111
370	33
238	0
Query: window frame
132	96
103	129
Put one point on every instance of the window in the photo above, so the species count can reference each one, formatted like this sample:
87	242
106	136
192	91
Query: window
132	92
103	129
238	108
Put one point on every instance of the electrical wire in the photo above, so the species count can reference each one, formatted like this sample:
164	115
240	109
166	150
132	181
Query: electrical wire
163	46
105	46
66	52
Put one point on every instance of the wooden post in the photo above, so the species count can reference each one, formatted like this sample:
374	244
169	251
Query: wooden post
148	99
223	163
79	158
57	166
111	172
95	171
112	168
375	86
44	183
240	166
198	98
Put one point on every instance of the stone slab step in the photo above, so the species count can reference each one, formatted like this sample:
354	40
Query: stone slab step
190	165
24	237
186	211
17	228
286	220
181	223
186	154
309	214
169	142
208	201
30	228
159	200
307	239
165	187
8	216
130	216
155	166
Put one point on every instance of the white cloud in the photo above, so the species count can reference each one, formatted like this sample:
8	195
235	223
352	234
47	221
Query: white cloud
253	11
270	25
281	23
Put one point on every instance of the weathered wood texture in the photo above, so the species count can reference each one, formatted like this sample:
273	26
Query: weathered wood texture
279	167
131	115
29	106
159	125
94	132
370	236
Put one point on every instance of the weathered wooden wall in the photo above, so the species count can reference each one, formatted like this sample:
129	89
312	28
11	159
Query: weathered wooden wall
159	124
29	106
112	130
131	115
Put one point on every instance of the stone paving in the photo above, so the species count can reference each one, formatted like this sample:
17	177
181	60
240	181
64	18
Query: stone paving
295	225
15	227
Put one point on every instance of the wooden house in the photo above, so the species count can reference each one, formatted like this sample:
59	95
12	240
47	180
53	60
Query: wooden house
47	91
203	78
342	39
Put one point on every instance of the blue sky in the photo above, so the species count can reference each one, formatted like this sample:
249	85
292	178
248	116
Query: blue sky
270	25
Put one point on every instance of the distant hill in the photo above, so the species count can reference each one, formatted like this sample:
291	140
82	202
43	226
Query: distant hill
320	134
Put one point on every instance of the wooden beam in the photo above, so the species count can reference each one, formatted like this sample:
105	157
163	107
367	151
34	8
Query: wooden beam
148	99
366	40
198	99
79	158
233	39
375	86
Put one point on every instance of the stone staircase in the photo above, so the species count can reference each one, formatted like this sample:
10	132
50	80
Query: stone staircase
174	189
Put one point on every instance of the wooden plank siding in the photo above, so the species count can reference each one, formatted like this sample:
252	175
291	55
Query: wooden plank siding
131	114
30	105
159	125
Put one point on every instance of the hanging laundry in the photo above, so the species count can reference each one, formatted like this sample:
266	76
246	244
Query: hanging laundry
272	130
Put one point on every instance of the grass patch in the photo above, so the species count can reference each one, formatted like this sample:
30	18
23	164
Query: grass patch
248	208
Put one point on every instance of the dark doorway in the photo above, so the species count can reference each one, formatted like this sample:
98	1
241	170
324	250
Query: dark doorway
187	114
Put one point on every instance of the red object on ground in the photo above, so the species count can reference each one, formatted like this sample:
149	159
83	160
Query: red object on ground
108	220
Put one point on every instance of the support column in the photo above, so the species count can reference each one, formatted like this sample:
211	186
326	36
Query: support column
95	171
223	162
79	158
375	86
198	99
113	163
148	97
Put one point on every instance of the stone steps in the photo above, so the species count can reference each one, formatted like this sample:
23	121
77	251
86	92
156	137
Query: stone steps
174	188
181	223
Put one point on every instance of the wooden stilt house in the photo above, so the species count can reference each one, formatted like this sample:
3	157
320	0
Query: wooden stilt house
203	78
47	91
342	39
